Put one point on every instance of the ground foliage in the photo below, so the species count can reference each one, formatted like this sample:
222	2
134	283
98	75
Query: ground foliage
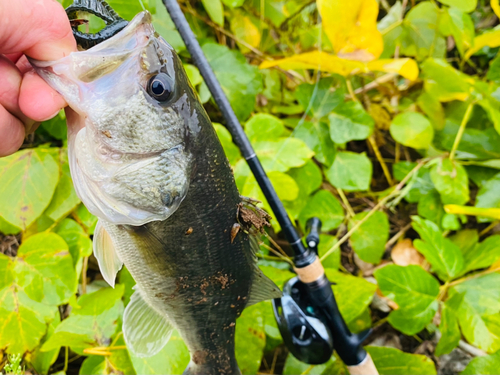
383	121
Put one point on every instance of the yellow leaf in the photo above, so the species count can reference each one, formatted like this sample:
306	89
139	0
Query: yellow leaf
493	213
334	64
490	39
407	68
496	7
246	31
351	26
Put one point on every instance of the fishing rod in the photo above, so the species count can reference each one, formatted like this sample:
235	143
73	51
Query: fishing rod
308	316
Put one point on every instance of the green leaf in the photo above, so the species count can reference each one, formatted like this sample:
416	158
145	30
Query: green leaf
240	81
233	3
463	5
369	240
432	108
325	243
44	268
250	339
193	74
450	331
172	359
430	207
232	152
390	361
126	9
164	26
349	122
78	241
444	256
494	70
294	367
483	254
23	321
451	181
324	206
42	361
29	179
56	126
487	365
420	32
341	172
319	99
487	196
444	82
415	292
283	154
94	365
65	199
264	127
92	321
316	135
459	24
8	228
215	11
85	218
120	360
479	312
412	129
353	294
419	185
308	179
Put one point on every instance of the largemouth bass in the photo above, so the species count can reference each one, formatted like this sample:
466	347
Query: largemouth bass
146	160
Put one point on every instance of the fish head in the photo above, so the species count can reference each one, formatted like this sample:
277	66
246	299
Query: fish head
132	124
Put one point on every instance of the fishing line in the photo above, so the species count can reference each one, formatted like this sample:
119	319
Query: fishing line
142	4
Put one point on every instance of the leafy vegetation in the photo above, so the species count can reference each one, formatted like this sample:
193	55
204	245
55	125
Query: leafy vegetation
383	120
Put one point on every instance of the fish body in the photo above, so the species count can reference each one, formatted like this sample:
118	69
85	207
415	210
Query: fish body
146	160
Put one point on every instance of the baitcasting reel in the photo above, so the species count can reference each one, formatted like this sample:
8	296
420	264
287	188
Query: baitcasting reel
309	320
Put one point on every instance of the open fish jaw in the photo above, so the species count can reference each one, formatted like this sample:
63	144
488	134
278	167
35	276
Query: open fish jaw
129	154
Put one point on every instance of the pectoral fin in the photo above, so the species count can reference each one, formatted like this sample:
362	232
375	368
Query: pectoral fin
105	252
145	330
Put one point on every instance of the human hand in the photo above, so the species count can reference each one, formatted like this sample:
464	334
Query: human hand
39	29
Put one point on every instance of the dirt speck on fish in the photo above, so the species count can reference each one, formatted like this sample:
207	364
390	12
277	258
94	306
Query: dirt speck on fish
146	160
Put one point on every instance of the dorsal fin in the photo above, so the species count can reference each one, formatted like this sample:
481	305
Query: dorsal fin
105	253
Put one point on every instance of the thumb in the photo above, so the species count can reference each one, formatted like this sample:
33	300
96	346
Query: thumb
37	28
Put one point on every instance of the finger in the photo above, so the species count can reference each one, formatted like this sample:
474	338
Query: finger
39	28
11	133
10	84
37	100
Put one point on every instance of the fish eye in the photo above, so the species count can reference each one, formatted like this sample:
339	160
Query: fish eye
160	87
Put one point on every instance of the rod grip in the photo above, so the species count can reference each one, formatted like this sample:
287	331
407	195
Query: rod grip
367	367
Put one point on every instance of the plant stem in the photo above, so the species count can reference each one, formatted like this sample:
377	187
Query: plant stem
475	276
488	228
380	204
350	89
387	174
84	274
347	205
461	130
65	359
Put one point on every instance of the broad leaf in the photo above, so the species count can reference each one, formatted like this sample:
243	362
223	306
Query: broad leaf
349	121
390	361
350	171
450	331
412	129
460	25
353	294
444	256
487	365
451	180
324	206
29	179
479	312
352	28
415	292
487	196
263	127
321	98
444	82
215	11
316	136
463	5
44	268
488	39
240	81
250	339
369	240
